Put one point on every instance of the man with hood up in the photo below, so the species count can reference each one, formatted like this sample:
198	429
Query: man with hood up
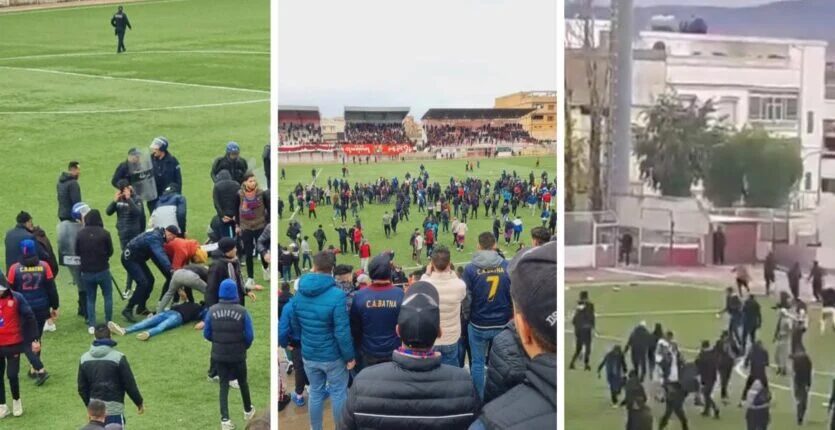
171	209
321	316
232	162
228	326
68	190
95	247
33	279
105	374
488	292
225	198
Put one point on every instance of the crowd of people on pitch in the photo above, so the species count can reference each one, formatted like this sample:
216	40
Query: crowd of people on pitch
445	209
30	297
397	352
299	134
488	134
376	133
656	357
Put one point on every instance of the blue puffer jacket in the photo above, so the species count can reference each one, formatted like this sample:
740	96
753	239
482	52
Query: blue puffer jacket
286	335
149	245
321	316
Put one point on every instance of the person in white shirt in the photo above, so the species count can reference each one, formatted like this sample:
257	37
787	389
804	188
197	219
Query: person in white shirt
451	293
306	254
460	232
418	246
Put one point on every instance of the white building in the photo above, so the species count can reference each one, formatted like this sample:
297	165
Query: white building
777	84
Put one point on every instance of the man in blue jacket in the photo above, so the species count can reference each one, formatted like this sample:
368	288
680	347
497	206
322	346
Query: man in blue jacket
291	341
374	313
166	169
321	316
171	209
488	291
146	246
228	326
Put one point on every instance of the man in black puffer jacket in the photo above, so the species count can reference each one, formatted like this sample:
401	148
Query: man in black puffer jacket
231	162
69	192
130	218
225	196
414	390
533	403
508	363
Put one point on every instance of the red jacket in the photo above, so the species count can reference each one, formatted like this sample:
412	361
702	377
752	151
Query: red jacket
365	251
312	205
429	237
357	235
180	251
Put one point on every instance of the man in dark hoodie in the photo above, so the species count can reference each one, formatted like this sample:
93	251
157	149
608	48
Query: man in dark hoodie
751	320
533	403
146	246
638	344
231	162
802	367
228	326
491	308
95	247
33	279
707	365
584	321
104	374
17	334
69	192
414	390
320	315
225	265
130	218
374	314
166	168
225	198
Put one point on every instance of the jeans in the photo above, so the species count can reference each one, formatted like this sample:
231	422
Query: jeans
479	340
91	281
449	354
157	323
116	419
335	375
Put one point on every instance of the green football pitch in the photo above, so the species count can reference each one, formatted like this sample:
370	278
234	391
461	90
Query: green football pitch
372	215
690	312
197	72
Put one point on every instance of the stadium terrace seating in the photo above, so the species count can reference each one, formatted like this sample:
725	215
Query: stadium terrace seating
376	133
299	134
452	135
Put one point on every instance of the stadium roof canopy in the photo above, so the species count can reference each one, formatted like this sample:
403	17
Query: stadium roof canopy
375	114
292	108
287	113
486	113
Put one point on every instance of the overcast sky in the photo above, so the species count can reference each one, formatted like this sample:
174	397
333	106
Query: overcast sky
431	53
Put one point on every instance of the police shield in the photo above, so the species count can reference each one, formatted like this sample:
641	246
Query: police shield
67	234
142	175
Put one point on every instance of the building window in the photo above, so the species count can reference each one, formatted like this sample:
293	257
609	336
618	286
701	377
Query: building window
807	181
772	108
810	122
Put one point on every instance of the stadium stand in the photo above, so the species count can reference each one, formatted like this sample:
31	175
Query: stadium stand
475	127
299	125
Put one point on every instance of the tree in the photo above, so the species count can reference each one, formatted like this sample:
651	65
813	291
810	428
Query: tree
674	143
755	166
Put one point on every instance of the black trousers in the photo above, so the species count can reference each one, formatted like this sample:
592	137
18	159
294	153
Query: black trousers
229	372
639	363
707	394
298	369
250	239
10	365
678	410
748	332
582	342
120	35
801	397
750	381
724	379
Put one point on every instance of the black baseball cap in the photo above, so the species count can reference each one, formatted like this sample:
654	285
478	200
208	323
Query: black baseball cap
533	288
226	244
342	269
379	269
420	319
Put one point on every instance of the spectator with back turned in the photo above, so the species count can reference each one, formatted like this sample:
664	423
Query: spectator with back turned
120	24
225	196
97	414
637	346
802	383
105	374
532	404
374	314
707	365
414	390
69	192
95	247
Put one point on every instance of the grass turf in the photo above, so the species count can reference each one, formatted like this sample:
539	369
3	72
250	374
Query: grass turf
587	401
180	54
371	216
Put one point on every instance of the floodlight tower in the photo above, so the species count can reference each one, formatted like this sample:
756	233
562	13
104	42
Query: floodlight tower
620	100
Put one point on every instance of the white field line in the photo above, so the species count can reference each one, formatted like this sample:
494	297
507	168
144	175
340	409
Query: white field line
132	3
141	80
635	272
132	53
639	284
133	110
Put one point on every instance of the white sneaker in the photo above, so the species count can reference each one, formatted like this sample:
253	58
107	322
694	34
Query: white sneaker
213	378
250	283
116	328
266	274
91	330
248	415
227	425
17	408
234	384
4	411
49	325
